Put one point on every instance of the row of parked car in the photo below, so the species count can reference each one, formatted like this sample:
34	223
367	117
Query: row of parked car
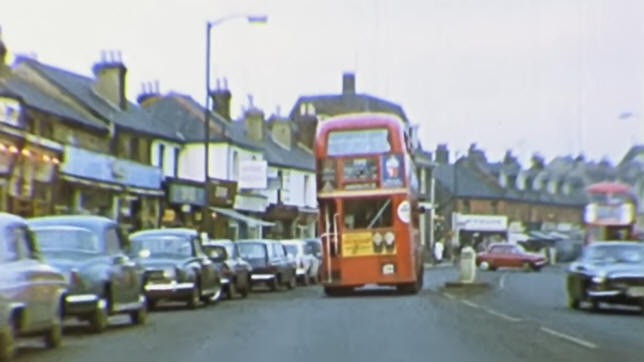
78	266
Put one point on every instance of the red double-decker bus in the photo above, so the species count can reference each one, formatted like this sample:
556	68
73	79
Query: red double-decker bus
610	212
368	200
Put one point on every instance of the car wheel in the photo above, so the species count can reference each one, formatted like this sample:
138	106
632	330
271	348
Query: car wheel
8	342
274	283
246	288
98	321
54	335
292	282
193	300
571	301
484	265
140	315
232	289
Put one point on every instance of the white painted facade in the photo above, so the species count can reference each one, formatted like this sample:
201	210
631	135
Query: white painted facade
164	154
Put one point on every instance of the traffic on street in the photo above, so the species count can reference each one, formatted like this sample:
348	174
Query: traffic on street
521	316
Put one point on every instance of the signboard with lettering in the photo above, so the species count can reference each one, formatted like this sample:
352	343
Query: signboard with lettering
606	214
253	174
186	194
482	222
221	192
102	167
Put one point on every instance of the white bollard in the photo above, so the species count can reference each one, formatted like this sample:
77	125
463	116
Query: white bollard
467	266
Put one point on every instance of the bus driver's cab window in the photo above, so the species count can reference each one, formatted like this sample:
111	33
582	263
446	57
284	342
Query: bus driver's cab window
367	213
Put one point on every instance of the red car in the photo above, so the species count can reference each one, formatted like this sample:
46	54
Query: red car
500	255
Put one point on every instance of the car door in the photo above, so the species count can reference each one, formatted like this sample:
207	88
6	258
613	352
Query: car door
41	285
123	273
495	256
515	256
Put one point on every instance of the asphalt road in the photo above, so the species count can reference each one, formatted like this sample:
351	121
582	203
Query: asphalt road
520	317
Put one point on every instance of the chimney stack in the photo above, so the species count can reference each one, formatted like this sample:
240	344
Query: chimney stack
221	99
150	93
109	76
4	68
348	83
442	154
254	122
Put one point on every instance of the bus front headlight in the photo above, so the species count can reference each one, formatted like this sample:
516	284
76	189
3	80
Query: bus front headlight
377	239
389	238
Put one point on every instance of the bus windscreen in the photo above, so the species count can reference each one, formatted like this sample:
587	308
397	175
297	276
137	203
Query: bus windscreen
358	142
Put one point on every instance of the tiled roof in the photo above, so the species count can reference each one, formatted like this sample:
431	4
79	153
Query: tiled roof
80	87
35	98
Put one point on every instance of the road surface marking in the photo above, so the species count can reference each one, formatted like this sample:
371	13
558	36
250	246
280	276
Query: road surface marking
502	315
449	296
569	338
502	281
471	304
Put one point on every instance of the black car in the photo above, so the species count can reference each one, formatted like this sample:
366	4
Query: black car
269	262
610	272
175	267
102	279
235	270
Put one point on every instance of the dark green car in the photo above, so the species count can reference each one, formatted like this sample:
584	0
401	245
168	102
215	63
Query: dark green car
607	272
102	279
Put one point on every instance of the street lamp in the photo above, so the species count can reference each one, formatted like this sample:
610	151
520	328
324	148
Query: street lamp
252	19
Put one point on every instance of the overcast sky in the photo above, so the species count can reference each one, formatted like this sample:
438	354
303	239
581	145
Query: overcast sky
555	76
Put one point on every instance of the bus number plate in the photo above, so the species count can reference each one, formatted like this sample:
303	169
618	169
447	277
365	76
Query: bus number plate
388	269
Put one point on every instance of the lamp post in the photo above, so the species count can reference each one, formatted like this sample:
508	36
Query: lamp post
252	19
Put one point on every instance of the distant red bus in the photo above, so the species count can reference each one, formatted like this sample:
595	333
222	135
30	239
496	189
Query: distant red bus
610	212
368	200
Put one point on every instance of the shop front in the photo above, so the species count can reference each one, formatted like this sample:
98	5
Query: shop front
184	204
101	184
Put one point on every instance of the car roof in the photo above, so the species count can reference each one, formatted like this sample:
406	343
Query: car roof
168	231
91	222
10	219
615	243
256	241
221	242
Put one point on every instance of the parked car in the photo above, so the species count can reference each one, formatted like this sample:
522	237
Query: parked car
307	264
175	267
500	255
31	292
269	262
102	279
611	272
235	271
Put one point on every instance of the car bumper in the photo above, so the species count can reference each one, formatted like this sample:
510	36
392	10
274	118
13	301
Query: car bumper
168	290
617	294
82	304
262	277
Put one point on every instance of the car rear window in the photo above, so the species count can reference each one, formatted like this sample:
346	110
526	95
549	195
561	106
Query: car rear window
252	250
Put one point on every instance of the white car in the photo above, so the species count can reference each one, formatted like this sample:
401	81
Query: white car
307	263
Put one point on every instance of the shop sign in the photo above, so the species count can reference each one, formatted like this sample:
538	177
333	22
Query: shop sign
102	167
253	174
482	222
222	192
9	111
186	194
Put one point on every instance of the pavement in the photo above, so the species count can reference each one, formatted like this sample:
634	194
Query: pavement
520	317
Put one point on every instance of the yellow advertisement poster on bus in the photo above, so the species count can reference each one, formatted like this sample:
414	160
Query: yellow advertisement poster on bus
362	244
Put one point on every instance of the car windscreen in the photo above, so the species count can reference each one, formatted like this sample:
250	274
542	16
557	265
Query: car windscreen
312	247
252	250
162	245
53	239
291	249
615	254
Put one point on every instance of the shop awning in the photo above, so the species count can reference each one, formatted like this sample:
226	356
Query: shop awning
91	183
248	220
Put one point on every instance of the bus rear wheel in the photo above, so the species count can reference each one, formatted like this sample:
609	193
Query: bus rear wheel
337	291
